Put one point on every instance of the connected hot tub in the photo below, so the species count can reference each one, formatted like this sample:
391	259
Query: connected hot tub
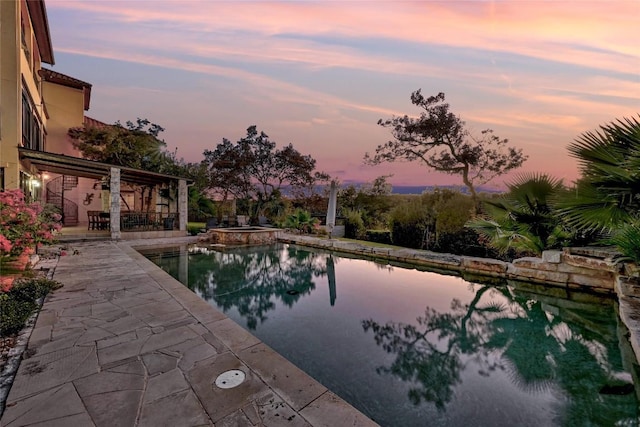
242	235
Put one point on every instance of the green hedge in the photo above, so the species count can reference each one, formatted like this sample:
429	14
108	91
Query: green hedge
193	228
379	236
19	302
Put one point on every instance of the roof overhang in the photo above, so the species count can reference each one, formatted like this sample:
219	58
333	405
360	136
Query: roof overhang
68	165
68	81
38	14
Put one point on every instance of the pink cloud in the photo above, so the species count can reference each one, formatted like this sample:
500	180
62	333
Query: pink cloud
234	40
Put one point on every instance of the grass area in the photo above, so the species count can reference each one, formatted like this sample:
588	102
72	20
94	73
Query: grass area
194	227
372	244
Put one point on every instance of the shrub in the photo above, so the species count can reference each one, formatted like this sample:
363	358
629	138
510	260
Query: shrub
410	224
353	225
14	314
17	305
379	236
24	225
302	221
465	242
194	228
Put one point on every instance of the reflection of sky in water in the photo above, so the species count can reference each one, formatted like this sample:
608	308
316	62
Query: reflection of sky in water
489	356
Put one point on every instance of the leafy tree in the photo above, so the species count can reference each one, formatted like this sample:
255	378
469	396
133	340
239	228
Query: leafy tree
255	169
135	145
228	170
440	140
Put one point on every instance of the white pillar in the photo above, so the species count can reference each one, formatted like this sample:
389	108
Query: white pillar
331	209
183	204
114	209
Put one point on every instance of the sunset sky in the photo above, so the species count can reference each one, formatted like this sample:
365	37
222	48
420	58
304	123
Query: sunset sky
319	74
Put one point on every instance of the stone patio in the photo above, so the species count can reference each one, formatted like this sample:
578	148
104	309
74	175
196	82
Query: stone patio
125	344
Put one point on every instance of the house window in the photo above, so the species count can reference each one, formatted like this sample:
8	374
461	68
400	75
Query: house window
1	179
25	187
25	44
31	187
32	132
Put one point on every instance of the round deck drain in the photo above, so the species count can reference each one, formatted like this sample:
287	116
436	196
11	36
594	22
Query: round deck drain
230	379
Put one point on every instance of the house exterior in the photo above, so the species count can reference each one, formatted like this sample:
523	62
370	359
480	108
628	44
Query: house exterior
38	106
25	44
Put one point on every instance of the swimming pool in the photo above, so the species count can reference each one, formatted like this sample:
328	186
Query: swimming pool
411	348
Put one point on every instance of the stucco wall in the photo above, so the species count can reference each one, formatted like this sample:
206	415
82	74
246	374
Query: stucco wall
65	106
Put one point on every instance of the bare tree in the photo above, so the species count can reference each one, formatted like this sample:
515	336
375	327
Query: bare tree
439	139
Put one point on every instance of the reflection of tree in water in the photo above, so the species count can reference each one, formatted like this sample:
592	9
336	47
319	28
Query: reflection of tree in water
539	351
250	279
429	352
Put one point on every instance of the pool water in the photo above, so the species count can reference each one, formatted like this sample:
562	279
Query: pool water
413	348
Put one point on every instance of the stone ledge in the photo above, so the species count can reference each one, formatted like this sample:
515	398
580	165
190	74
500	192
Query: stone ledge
535	263
590	263
485	265
540	276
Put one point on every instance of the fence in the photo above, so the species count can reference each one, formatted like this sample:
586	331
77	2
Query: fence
148	221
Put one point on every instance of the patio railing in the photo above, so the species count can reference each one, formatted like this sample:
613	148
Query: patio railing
148	221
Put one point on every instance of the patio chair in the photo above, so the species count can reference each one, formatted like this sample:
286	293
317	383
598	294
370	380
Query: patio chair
92	220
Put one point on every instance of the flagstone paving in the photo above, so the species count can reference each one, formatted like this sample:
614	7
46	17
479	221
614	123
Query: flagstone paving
124	344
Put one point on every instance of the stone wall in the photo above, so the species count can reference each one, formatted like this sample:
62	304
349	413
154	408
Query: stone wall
572	267
241	236
575	268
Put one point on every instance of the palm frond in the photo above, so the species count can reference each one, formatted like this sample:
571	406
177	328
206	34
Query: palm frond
609	194
627	239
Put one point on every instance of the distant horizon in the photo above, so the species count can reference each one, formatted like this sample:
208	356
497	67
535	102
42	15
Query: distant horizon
419	189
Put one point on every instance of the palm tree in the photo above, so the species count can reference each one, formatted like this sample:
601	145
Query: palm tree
200	206
608	195
524	218
607	198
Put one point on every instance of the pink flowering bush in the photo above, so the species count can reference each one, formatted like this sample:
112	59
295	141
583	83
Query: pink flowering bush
25	225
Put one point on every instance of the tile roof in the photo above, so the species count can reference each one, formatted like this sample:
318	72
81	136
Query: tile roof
90	122
64	80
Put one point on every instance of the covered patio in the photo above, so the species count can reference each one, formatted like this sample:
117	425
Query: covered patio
116	222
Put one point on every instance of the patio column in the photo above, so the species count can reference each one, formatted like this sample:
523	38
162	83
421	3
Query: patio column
114	208
183	204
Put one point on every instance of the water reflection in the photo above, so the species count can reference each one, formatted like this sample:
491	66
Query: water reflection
455	352
542	346
253	280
